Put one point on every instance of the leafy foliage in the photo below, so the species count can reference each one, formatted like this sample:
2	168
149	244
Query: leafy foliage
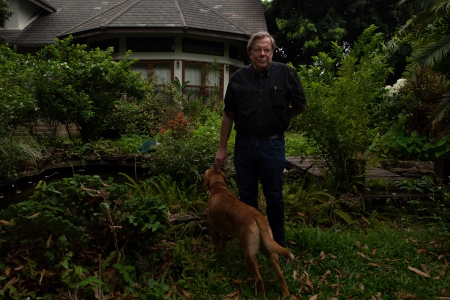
73	85
16	98
67	223
185	152
339	109
305	28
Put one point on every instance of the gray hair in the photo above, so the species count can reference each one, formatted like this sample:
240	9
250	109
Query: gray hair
260	35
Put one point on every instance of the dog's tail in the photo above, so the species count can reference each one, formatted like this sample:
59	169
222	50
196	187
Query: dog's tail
270	244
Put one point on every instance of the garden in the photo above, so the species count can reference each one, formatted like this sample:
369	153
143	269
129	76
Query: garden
87	237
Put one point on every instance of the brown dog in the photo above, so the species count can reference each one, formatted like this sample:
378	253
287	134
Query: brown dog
228	216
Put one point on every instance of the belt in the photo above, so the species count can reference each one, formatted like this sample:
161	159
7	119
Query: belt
270	137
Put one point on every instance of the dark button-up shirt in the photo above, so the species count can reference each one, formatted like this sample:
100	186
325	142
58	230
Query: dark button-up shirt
261	103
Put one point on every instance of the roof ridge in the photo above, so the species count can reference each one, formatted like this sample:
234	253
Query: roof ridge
45	5
180	13
120	13
96	16
225	18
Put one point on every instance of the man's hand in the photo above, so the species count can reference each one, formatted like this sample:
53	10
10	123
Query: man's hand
221	159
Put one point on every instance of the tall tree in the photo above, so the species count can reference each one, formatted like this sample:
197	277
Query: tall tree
305	28
5	14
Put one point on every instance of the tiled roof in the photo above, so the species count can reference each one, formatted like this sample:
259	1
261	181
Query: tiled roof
235	19
44	4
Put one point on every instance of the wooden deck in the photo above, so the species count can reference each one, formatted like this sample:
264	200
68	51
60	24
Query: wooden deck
371	195
373	174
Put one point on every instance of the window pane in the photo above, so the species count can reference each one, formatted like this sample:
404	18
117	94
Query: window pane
142	69
151	44
105	44
203	47
193	74
162	73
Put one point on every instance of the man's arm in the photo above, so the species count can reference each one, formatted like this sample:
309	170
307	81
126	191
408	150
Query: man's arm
225	130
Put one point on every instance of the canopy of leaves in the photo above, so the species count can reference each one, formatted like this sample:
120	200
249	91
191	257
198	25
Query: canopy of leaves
305	28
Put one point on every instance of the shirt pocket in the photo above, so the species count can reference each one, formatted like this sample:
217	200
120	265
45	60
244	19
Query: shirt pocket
245	98
278	97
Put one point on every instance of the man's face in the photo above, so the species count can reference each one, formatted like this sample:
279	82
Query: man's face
261	54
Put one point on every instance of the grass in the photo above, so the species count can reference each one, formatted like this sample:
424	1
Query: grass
384	261
382	256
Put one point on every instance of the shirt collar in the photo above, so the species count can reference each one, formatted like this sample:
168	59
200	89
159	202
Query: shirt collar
267	73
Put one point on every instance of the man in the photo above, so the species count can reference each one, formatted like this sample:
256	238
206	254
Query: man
260	100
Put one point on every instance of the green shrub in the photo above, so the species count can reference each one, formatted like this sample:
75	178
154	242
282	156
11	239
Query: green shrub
70	223
298	145
75	86
186	152
339	116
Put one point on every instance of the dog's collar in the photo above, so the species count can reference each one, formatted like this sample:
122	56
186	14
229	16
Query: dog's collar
216	187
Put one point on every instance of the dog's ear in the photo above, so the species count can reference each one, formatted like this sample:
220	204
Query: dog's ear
206	178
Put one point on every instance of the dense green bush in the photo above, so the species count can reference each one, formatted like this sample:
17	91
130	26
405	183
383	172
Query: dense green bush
75	86
186	152
339	115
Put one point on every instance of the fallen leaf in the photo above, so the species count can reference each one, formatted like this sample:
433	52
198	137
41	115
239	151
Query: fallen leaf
4	223
19	268
314	297
424	268
42	276
362	255
184	292
294	274
49	240
34	216
322	255
231	295
362	287
339	272
418	272
8	271
374	251
11	282
374	265
308	280
324	276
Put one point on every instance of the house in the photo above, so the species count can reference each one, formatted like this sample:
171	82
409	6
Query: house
171	38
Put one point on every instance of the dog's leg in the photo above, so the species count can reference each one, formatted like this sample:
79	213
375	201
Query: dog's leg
252	265
250	244
274	261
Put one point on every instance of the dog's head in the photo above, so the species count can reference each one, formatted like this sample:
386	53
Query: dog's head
213	179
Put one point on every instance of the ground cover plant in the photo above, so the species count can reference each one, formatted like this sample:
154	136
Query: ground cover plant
96	239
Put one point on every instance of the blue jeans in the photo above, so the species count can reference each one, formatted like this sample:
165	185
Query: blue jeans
262	160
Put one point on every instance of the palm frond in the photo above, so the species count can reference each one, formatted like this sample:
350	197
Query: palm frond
433	53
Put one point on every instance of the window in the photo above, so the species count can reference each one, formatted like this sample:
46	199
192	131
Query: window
105	44
204	80
161	71
238	53
203	47
151	44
